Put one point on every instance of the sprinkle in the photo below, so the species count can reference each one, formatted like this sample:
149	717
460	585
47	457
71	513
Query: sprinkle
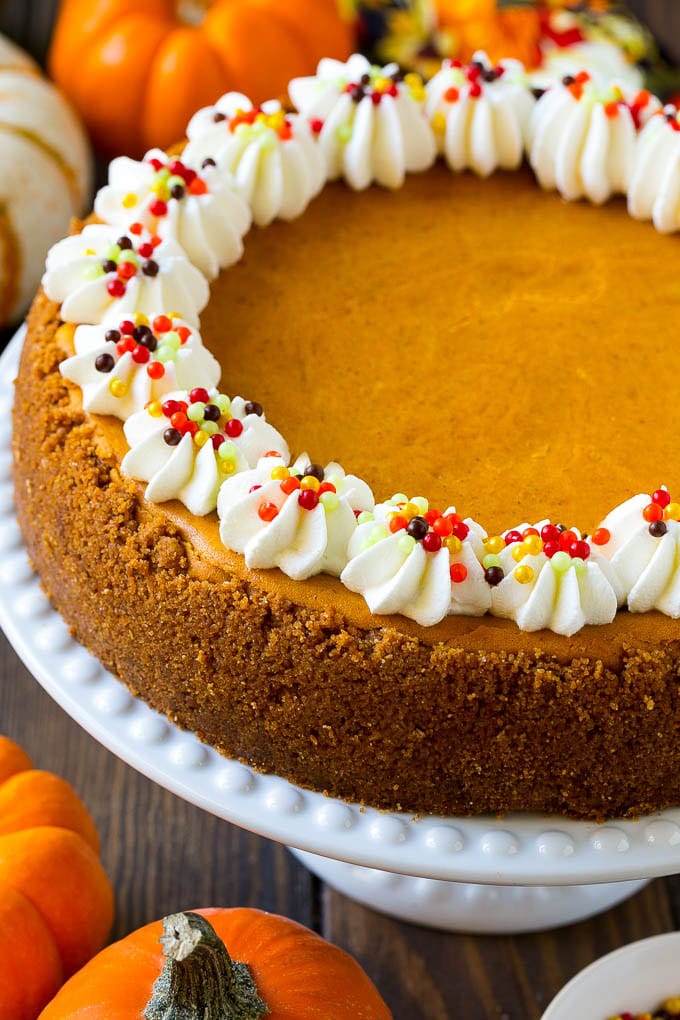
104	363
533	545
458	572
365	516
439	123
310	484
195	411
601	536
661	497
116	288
210	428
672	512
491	560
493	576
330	501
267	511
155	408
233	428
117	388
453	544
129	200
172	436
201	438
652	512
451	95
308	498
561	561
523	574
495	544
657	529
344	133
289	485
227	450
418	528
397	522
512	537
406	544
279	473
162	324
421	504
432	543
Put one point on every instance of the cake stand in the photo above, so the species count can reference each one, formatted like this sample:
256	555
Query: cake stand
519	873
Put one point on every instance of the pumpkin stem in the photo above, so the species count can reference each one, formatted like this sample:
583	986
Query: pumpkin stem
199	980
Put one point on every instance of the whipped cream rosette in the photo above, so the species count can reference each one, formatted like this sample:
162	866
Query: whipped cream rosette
123	364
551	578
99	270
370	121
299	519
582	138
654	189
409	558
188	445
480	113
198	208
641	538
272	157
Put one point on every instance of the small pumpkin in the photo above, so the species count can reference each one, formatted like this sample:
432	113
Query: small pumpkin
285	972
45	175
138	69
56	903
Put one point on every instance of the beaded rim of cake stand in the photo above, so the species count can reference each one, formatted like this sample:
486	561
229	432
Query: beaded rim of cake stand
530	849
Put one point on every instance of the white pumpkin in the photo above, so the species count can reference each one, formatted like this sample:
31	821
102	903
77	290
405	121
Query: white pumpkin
45	175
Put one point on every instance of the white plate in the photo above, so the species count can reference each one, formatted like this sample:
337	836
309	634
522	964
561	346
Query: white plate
637	977
517	850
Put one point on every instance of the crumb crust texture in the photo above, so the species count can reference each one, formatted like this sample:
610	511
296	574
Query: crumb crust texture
471	717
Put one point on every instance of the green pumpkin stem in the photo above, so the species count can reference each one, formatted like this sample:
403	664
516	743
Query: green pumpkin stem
199	980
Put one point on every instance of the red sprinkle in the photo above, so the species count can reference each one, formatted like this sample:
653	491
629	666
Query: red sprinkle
432	543
126	327
145	250
136	229
458	572
443	527
266	511
397	523
199	395
116	287
662	497
141	355
161	324
126	270
579	549
549	533
217	440
512	537
158	208
432	515
183	332
178	420
326	487
233	428
308	499
550	548
316	124
567	539
460	530
601	536
155	370
475	90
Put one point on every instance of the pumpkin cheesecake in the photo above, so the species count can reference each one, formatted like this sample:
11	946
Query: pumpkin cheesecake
489	363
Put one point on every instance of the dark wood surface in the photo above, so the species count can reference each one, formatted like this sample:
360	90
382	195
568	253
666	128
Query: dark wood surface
164	855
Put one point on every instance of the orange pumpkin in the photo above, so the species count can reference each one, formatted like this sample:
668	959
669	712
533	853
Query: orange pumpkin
56	903
138	69
286	972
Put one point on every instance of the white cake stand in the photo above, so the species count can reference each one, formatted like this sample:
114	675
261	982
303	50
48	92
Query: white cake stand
521	873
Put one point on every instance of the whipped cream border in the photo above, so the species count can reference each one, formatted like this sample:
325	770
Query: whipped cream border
556	589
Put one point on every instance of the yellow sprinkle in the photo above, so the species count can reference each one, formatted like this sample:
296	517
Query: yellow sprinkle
118	388
261	118
496	544
65	333
381	84
409	510
155	408
453	544
201	438
617	93
413	80
310	482
279	473
523	574
518	551
419	95
89	251
672	1004
160	190
439	123
672	513
172	315
141	319
227	467
533	545
129	200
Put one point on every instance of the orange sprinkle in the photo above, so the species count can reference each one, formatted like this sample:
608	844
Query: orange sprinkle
612	109
452	95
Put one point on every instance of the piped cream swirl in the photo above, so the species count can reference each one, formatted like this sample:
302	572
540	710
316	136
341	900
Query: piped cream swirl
273	525
197	207
76	276
272	156
371	124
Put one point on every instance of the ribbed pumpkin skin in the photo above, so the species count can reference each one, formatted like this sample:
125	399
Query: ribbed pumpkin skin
297	973
56	903
137	73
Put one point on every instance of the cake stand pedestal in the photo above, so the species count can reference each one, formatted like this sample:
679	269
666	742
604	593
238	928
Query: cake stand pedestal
482	874
467	906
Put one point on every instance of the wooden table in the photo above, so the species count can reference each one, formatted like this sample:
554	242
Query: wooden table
164	855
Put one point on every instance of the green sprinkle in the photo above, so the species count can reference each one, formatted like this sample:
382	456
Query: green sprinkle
112	252
330	501
399	497
344	133
129	256
406	544
211	427
364	517
422	504
93	272
176	182
196	411
164	353
227	450
579	565
223	402
561	562
377	534
491	560
172	340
